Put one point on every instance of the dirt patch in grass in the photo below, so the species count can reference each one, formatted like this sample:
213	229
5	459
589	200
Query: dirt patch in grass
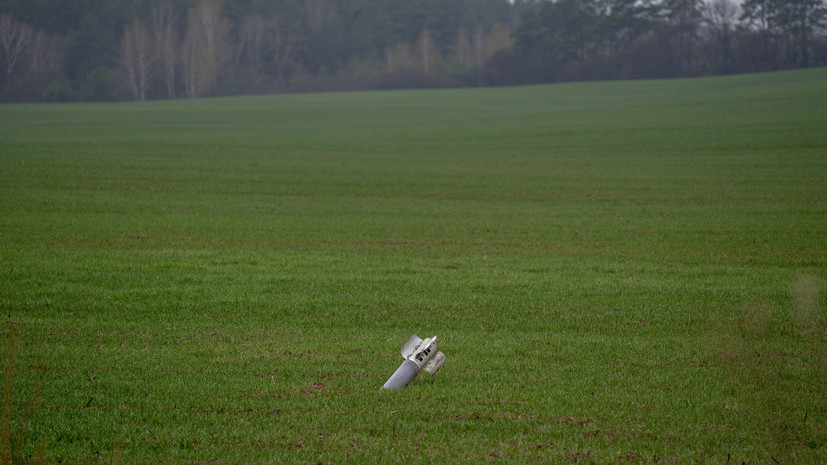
579	457
315	389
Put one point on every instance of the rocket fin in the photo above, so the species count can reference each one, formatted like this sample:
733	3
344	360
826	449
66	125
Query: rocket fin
409	347
435	363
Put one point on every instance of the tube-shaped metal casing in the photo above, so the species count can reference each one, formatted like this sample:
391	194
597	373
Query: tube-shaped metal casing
403	375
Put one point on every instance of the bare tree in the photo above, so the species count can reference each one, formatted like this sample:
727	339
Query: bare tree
479	45
486	44
789	22
426	49
167	44
45	53
251	37
399	58
800	18
499	38
721	16
284	33
15	38
136	58
319	13
462	49
207	47
189	67
684	16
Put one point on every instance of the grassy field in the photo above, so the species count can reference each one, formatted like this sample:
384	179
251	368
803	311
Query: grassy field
617	272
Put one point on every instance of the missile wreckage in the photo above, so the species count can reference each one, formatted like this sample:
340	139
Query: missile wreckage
419	354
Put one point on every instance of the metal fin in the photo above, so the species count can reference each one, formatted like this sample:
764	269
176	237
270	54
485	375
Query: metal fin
409	347
435	363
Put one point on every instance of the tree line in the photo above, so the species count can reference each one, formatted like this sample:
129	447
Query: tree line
629	39
97	50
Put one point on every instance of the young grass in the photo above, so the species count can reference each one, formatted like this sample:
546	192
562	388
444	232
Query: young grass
617	272
8	396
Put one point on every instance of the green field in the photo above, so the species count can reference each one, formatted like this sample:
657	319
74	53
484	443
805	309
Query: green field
617	272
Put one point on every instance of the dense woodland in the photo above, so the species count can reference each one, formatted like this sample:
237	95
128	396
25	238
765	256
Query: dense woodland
99	50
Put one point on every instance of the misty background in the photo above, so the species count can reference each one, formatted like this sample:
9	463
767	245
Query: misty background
105	50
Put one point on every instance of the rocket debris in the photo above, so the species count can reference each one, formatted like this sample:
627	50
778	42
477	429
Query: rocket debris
419	354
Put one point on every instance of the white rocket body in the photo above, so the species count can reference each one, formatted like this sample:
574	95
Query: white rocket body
419	354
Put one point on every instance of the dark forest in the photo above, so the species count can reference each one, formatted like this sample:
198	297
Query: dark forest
104	50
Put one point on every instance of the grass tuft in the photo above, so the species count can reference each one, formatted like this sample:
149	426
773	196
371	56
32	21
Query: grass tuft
15	433
8	396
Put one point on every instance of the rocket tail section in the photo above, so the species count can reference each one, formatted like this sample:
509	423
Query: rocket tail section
435	363
402	376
